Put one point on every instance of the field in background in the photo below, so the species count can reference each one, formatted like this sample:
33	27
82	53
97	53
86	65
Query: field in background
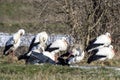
22	14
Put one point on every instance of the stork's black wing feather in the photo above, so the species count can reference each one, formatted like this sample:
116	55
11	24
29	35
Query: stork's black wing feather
93	46
48	48
32	44
94	57
52	49
92	41
7	47
65	54
23	56
39	58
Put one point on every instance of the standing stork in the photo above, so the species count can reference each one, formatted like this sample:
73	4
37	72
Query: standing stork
99	42
37	45
102	54
38	42
13	43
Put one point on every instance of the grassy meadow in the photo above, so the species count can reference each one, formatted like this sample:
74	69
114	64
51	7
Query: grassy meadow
16	14
52	72
18	70
23	14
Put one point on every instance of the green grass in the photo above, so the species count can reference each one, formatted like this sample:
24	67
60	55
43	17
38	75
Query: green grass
51	72
21	14
14	10
33	28
19	71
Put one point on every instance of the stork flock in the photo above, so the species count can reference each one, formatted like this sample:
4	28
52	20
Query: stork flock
39	52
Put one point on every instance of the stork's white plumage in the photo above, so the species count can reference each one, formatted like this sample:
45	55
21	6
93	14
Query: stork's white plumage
51	55
104	39
38	42
78	56
99	42
107	51
41	37
61	44
13	43
102	54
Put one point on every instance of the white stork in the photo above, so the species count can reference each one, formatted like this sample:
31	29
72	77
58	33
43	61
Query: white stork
99	42
78	56
102	54
37	45
71	57
58	45
13	43
38	42
43	57
37	58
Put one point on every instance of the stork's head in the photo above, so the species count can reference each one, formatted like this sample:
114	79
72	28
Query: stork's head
113	50
75	51
64	39
44	37
107	34
21	32
111	46
43	32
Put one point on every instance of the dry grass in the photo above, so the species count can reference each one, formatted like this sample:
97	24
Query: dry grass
19	71
51	72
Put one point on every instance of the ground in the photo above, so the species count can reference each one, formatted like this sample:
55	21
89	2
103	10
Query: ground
18	70
52	72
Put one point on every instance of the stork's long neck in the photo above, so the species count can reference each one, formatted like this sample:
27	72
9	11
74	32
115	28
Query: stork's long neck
16	37
66	43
